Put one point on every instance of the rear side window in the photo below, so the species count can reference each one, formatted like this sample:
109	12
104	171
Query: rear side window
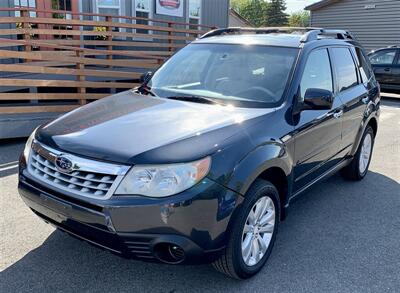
345	68
383	57
363	65
317	73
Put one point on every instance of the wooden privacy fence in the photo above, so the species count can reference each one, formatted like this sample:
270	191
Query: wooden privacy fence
50	64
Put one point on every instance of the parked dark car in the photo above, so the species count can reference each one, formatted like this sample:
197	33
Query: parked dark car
201	162
386	65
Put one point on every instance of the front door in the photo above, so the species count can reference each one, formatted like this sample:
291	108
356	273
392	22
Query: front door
318	132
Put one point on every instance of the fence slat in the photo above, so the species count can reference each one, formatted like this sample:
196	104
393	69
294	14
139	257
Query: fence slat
86	50
148	63
42	43
49	96
23	68
91	33
65	83
36	109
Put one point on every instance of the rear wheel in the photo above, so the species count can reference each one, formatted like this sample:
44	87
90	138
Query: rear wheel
358	167
253	232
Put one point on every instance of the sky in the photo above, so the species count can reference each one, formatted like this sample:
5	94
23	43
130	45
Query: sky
298	5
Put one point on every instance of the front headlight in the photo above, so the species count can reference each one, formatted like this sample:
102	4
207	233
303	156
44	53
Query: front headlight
28	144
163	180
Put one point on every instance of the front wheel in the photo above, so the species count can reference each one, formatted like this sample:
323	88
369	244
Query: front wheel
253	232
358	167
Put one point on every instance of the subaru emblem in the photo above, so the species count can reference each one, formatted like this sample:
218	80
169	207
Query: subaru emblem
63	164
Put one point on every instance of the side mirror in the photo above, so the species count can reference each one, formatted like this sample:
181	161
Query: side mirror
317	99
145	77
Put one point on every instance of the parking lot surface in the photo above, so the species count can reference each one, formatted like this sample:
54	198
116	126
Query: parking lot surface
340	236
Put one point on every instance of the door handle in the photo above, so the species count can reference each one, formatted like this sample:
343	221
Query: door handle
338	114
387	69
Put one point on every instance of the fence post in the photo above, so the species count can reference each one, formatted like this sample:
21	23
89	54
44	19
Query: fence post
80	77
26	36
109	39
170	35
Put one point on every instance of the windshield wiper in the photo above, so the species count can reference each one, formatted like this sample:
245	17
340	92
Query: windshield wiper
194	99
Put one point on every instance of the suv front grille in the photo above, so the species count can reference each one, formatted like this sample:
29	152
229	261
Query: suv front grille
85	180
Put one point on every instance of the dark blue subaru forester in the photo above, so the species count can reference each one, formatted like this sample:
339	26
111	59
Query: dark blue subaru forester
199	163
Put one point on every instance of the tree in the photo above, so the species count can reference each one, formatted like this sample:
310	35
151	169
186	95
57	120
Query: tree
299	19
275	13
253	10
262	12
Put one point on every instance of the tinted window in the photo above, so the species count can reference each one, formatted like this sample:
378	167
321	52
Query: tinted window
345	68
317	73
383	57
363	65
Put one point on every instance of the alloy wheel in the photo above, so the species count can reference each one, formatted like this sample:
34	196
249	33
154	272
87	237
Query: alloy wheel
258	231
365	153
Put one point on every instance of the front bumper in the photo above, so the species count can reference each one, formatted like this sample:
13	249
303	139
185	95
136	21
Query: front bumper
136	227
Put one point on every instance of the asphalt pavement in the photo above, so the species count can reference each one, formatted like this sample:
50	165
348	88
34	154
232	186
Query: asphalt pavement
340	236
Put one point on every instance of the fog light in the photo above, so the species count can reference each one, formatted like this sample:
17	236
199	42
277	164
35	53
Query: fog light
169	253
177	252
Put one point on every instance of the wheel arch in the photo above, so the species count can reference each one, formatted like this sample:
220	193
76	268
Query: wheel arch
270	162
373	122
280	180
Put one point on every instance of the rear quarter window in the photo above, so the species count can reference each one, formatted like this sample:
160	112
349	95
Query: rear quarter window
364	66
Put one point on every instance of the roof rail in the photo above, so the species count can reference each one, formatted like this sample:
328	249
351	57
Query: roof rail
263	30
313	35
309	33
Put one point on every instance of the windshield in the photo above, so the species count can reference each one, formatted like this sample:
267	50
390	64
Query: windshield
242	75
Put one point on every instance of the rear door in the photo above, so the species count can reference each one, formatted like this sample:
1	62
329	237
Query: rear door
383	62
353	93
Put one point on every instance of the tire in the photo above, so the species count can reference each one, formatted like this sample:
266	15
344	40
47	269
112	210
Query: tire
356	170
232	262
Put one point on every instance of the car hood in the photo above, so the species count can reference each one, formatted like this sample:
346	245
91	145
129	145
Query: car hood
121	127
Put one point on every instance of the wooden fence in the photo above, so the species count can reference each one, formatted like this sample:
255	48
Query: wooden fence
52	64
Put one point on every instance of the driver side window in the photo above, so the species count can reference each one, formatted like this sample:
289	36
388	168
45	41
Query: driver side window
317	73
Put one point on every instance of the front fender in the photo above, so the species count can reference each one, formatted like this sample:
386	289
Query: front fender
266	156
